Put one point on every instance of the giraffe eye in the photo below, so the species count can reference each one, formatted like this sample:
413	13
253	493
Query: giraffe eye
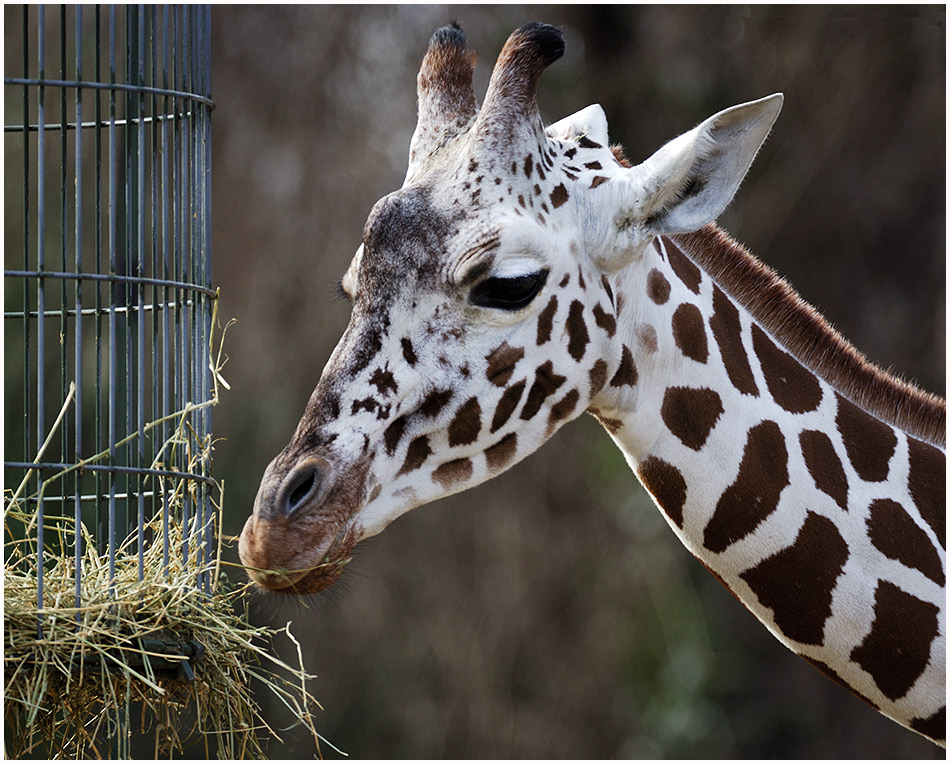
509	292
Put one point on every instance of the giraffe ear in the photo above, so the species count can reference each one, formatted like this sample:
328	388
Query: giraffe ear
590	123
691	180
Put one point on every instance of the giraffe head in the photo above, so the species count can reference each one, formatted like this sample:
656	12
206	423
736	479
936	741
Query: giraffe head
484	315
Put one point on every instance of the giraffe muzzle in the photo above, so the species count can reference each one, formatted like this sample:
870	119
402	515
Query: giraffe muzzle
298	538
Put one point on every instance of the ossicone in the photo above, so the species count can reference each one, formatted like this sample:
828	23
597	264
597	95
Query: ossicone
446	96
513	88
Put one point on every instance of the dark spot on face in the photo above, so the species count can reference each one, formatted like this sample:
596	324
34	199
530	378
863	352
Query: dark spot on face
453	474
528	165
586	143
371	342
501	363
626	373
592	165
565	281
605	282
434	402
546	320
897	536
507	405
797	582
597	180
393	434
500	455
824	466
521	200
605	320
658	288
578	338
897	650
558	196
580	278
691	413
545	383
869	442
689	332
792	386
416	455
928	485
684	268
364	404
563	408
384	382
727	331
666	484
408	353
569	154
466	424
763	475
646	336
598	377
537	190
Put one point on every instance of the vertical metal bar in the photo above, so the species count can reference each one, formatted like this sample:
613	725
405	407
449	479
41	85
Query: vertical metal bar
186	250
206	259
138	22
77	518
194	277
203	50
41	300
180	198
64	238
27	382
166	308
113	329
97	135
27	365
153	168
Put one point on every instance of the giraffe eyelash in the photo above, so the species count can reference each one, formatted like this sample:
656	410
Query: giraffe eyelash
340	291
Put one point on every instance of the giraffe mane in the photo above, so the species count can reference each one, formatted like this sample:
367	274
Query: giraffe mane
808	336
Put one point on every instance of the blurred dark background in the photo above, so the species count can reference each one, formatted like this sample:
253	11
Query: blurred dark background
551	613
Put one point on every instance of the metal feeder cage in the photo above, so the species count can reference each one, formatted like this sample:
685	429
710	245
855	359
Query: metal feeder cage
108	298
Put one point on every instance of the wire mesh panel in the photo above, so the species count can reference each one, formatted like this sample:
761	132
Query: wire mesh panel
108	300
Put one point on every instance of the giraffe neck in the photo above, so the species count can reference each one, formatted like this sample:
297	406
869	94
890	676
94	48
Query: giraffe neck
819	504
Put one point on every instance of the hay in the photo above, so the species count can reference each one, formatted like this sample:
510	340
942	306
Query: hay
71	693
147	651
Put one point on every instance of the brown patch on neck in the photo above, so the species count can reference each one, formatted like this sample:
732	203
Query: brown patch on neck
807	335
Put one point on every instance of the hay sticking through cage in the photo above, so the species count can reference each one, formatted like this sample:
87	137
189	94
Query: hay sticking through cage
146	650
184	661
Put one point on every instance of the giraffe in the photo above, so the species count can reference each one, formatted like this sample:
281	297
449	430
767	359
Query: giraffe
525	275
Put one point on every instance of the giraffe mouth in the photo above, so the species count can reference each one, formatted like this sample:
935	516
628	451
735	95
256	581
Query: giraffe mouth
304	574
300	535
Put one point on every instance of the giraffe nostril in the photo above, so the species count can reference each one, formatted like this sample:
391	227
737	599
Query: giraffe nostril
302	485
